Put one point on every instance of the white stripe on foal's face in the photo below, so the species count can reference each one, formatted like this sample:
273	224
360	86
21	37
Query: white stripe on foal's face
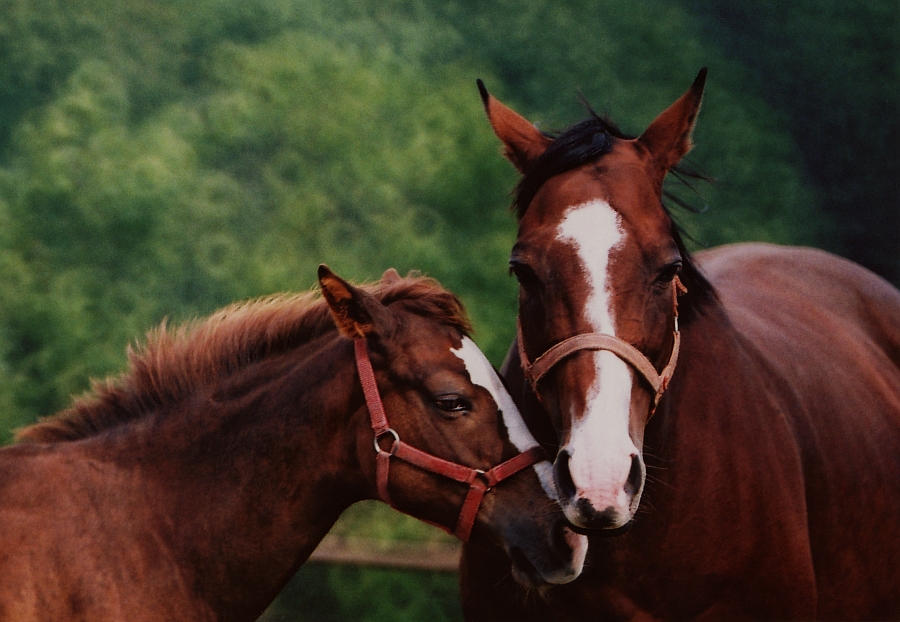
483	374
600	447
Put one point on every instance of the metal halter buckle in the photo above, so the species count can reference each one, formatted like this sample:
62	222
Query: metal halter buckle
378	437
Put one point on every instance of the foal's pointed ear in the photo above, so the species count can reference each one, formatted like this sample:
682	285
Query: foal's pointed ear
356	312
390	276
523	142
668	138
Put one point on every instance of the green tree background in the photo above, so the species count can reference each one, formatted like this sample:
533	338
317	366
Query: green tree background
161	160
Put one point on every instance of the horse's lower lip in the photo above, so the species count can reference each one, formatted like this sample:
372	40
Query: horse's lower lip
601	533
523	570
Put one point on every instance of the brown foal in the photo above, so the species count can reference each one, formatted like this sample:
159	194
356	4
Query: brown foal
194	485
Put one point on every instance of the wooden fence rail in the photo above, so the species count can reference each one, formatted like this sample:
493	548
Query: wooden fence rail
438	556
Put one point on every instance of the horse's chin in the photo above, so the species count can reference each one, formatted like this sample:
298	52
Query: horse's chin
607	532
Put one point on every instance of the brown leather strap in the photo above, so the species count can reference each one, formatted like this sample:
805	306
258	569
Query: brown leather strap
480	482
659	381
592	341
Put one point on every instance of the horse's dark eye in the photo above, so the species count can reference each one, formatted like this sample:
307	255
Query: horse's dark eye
452	405
669	272
524	274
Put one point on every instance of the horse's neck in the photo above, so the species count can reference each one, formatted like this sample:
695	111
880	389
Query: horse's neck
718	374
244	480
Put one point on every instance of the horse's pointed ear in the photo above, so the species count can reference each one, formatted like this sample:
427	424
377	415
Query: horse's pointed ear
390	276
668	138
523	143
356	312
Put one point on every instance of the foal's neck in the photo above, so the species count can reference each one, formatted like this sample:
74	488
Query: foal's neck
248	476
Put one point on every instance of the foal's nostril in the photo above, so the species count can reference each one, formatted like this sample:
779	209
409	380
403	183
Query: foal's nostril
563	476
635	476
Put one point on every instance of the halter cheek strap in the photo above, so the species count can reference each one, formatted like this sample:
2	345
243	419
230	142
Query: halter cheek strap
479	482
659	381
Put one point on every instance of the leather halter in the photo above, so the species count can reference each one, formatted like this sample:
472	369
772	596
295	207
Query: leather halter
659	381
479	482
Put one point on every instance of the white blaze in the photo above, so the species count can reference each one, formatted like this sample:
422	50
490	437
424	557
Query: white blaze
483	374
600	445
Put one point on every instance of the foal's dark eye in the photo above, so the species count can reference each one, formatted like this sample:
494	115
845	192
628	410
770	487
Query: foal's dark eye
453	405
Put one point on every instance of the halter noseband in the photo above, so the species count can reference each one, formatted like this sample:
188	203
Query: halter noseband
659	381
480	482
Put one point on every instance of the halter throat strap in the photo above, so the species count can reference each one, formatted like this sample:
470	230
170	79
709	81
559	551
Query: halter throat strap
659	381
479	482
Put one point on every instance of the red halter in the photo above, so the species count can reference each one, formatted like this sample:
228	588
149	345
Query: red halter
599	341
480	482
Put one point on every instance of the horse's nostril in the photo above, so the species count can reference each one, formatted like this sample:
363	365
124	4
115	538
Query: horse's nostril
563	476
635	476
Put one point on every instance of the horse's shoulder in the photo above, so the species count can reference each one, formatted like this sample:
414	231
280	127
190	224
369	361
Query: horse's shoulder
817	335
821	337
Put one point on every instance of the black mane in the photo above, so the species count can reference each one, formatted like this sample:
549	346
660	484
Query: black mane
588	140
582	143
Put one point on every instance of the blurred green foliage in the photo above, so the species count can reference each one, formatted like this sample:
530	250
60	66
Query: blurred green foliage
161	160
323	593
832	69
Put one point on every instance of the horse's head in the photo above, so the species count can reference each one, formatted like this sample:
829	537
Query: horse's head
451	423
596	254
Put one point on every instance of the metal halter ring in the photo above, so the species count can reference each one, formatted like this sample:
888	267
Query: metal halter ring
378	437
483	476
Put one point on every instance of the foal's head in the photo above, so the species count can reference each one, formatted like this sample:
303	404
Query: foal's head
598	254
441	396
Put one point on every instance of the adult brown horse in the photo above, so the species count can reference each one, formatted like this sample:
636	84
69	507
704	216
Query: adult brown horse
193	486
768	473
